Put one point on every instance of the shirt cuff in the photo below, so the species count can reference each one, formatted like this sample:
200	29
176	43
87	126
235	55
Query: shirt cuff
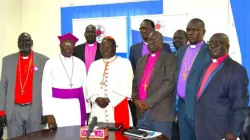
2	112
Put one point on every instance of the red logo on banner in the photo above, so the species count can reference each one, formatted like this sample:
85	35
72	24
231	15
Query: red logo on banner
159	26
100	33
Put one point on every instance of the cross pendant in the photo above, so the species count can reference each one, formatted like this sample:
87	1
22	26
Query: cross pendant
145	86
184	75
102	83
71	85
22	91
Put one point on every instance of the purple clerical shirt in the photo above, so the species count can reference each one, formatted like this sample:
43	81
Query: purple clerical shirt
144	49
188	58
90	52
152	58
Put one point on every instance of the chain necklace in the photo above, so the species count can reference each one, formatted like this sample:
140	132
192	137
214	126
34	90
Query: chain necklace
104	72
70	78
185	65
20	77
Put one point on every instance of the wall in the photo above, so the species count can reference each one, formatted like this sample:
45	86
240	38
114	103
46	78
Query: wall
10	26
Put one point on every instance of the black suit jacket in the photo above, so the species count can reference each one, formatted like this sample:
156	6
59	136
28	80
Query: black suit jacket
80	52
223	103
136	53
160	92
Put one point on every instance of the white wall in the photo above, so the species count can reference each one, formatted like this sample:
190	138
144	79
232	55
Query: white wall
10	26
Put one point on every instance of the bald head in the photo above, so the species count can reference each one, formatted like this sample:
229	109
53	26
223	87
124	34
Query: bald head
90	34
25	42
155	41
218	45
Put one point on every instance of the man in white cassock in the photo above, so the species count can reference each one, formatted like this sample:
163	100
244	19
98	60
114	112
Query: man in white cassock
63	87
109	86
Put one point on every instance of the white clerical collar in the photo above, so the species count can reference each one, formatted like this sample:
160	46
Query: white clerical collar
214	60
153	54
192	46
145	43
91	45
65	58
109	59
25	57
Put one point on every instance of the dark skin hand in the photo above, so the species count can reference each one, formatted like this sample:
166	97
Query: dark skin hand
141	105
51	122
3	121
44	120
230	136
102	102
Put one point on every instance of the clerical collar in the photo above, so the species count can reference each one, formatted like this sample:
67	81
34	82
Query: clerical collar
145	43
109	59
25	57
91	45
154	54
65	58
196	45
220	59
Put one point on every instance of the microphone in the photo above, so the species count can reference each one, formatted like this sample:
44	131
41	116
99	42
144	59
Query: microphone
92	125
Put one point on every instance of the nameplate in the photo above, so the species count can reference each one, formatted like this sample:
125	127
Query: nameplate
99	133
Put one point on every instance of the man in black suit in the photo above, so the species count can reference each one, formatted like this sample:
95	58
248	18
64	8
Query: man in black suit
222	97
89	51
140	49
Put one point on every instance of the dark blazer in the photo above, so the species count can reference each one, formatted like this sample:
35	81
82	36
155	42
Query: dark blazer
160	94
80	52
1	132
136	53
222	106
202	59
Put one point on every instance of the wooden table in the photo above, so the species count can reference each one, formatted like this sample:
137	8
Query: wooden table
66	133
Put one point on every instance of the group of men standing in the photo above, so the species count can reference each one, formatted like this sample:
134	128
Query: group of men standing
199	85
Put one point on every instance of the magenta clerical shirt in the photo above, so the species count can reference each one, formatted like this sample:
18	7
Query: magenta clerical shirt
189	57
152	58
90	52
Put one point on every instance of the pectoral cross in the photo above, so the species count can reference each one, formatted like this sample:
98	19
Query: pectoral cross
102	83
22	91
71	85
145	86
184	75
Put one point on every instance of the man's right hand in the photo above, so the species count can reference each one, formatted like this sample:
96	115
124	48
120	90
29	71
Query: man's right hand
51	122
142	106
3	121
101	102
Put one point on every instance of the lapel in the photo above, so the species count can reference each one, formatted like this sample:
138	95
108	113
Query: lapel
199	60
13	66
157	66
83	52
98	53
211	77
140	50
36	74
141	68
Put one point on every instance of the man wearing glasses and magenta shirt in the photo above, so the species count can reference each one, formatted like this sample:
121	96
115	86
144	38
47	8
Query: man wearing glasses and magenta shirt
140	49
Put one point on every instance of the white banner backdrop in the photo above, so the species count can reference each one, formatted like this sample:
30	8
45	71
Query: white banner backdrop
110	26
168	24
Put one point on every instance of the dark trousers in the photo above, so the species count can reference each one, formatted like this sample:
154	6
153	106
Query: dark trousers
1	132
186	125
133	112
175	131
